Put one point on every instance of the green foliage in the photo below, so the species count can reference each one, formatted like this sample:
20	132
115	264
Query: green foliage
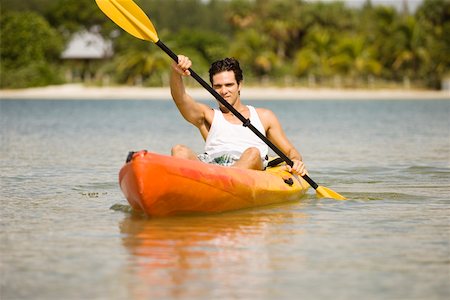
321	42
209	44
141	67
176	15
38	6
433	17
71	16
35	74
29	49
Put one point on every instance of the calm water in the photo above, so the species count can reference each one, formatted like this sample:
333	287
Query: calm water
60	239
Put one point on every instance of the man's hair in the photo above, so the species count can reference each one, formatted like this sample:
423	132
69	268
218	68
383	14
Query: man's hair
226	64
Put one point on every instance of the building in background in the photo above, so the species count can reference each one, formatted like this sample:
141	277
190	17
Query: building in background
82	54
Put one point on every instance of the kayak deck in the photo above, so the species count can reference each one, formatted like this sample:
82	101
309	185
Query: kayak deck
161	185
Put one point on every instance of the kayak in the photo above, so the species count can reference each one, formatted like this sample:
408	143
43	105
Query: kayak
161	185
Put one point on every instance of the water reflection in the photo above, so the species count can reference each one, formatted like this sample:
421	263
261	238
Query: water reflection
171	257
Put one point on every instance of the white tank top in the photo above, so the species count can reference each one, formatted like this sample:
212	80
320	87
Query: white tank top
227	138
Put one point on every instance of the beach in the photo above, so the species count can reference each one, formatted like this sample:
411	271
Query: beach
80	91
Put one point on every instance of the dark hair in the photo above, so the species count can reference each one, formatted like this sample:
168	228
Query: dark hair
226	64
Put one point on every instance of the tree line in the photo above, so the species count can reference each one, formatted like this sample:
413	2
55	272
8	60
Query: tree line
278	42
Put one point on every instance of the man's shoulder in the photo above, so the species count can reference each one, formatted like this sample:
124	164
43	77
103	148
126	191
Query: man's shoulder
267	117
205	107
264	112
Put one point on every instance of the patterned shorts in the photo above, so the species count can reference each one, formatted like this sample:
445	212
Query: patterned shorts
224	160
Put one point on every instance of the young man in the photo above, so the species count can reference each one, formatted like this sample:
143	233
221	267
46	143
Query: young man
227	141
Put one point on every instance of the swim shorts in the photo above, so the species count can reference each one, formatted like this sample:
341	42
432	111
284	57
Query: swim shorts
224	160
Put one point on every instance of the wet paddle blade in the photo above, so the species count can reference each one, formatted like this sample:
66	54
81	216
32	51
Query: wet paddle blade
323	192
130	18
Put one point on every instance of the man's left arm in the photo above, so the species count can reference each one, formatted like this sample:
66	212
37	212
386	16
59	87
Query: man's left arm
277	136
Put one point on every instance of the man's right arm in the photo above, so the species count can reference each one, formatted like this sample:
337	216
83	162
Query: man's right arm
191	110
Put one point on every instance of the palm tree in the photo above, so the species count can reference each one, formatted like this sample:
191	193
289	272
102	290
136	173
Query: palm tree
433	18
354	57
314	58
252	49
410	51
136	67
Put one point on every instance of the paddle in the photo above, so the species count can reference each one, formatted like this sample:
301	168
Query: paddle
133	20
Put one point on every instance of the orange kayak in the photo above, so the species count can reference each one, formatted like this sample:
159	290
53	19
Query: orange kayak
161	185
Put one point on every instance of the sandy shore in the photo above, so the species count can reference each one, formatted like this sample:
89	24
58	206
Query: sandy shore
78	91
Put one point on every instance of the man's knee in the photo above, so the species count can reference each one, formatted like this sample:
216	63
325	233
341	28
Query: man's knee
253	157
252	153
180	151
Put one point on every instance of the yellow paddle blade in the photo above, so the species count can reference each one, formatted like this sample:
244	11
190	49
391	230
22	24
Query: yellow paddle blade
323	192
130	18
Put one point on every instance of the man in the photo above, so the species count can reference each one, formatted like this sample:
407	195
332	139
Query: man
227	141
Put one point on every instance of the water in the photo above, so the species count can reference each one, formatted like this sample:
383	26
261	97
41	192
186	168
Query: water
60	239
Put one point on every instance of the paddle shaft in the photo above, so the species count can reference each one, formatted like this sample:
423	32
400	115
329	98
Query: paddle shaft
245	122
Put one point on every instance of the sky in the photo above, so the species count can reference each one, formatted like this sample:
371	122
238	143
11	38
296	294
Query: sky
412	4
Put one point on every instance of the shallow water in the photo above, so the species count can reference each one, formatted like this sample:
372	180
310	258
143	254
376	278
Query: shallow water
60	239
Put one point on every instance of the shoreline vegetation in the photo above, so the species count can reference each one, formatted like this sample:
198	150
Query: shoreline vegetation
295	43
80	91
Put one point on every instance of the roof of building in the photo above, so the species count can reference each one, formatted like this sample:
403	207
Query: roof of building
87	45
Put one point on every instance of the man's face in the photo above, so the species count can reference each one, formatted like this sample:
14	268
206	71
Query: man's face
226	85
